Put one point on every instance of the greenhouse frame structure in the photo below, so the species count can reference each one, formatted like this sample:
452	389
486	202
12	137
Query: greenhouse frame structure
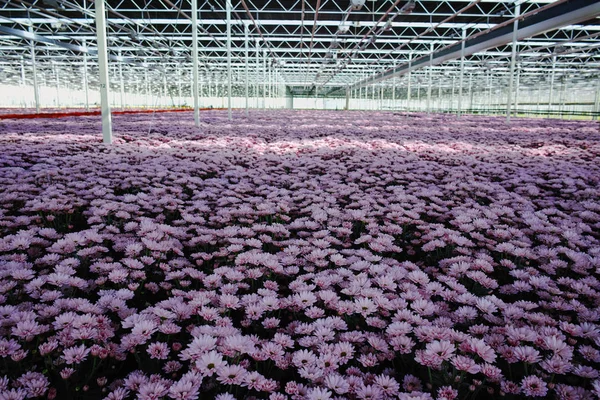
480	56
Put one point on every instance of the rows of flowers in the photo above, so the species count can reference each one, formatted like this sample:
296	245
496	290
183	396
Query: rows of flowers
300	255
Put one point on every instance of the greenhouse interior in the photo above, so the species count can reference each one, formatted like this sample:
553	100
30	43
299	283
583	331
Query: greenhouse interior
299	199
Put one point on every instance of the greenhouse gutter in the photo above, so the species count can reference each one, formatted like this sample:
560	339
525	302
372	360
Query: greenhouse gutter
567	13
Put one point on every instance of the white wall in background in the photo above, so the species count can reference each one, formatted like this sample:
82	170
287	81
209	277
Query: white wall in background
50	97
532	100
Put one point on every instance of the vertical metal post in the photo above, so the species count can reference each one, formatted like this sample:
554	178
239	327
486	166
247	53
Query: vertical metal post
394	93
440	95
179	96
489	107
509	98
551	84
201	91
195	62
121	79
430	70
256	86
246	29
347	107
471	93
103	70
360	95
272	84
597	102
22	83
539	99
147	96
381	97
562	96
452	95
409	79
264	79
57	84
228	13
165	90
517	92
36	89
22	72
462	71
373	103
85	77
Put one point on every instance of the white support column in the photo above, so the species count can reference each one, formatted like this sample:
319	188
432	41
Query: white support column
462	71
489	92
22	82
360	96
257	73
471	93
179	96
121	79
246	29
562	96
195	62
597	101
409	79
430	72
393	93
539	100
85	76
147	97
509	98
57	83
264	105
373	103
103	70
165	89
36	89
228	13
201	92
272	84
440	94
381	97
517	92
452	95
347	99
551	84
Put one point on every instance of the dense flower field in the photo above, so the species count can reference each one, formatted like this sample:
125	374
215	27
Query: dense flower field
300	255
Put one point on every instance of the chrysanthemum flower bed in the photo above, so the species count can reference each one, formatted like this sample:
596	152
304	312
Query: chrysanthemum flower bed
300	255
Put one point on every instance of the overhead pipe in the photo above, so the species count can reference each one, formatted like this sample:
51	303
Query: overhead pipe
544	55
575	12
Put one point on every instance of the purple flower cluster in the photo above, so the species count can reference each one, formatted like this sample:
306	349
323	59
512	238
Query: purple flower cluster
300	255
